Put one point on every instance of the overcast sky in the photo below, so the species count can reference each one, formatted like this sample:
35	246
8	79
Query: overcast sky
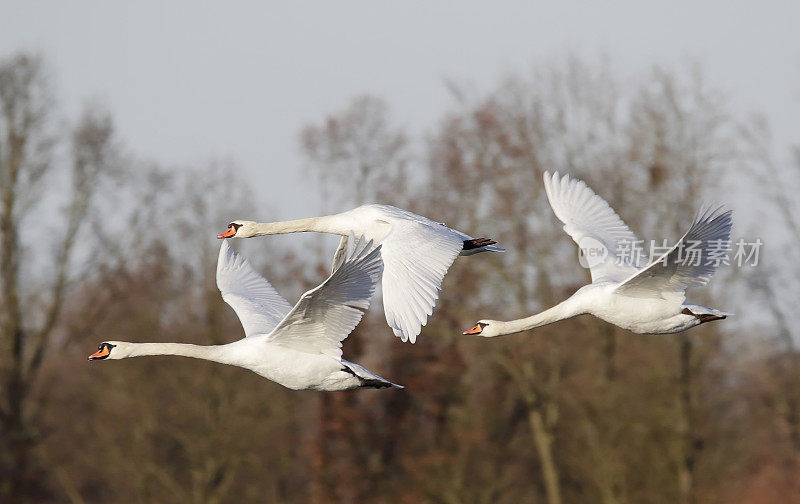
187	82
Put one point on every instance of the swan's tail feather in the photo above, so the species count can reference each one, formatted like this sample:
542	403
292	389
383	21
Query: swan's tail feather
368	379
704	314
379	384
475	245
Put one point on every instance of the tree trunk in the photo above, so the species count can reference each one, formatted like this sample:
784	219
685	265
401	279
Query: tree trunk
609	351
543	439
686	474
17	439
792	403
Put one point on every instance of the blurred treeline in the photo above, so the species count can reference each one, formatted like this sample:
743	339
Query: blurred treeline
98	244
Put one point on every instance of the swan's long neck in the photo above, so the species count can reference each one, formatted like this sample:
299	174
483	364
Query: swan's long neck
214	353
324	224
564	310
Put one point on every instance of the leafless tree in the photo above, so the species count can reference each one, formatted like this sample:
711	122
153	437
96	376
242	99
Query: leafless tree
357	155
27	326
579	411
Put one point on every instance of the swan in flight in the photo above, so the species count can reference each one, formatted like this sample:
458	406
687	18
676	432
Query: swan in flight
299	347
643	299
416	253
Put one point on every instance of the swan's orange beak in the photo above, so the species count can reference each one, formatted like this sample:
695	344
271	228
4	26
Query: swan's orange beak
475	330
227	234
100	354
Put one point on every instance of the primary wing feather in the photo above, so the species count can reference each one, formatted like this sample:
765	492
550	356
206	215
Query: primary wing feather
257	304
689	263
325	315
416	256
587	215
341	252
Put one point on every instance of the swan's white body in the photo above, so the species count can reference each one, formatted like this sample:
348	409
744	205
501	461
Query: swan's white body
298	347
645	300
416	252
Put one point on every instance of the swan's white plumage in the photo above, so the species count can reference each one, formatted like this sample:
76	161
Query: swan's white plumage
300	349
416	258
257	304
585	214
341	252
676	270
641	299
325	315
417	252
322	318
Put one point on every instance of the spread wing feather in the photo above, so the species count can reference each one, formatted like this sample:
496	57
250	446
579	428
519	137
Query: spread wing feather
325	315
587	215
257	304
416	257
689	263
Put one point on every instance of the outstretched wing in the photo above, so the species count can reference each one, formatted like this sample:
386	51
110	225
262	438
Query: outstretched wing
256	303
327	314
691	262
416	256
589	219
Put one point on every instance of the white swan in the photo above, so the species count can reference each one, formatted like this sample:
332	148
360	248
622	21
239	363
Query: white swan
645	300
299	347
416	252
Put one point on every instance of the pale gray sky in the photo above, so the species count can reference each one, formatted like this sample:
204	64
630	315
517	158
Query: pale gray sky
187	81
